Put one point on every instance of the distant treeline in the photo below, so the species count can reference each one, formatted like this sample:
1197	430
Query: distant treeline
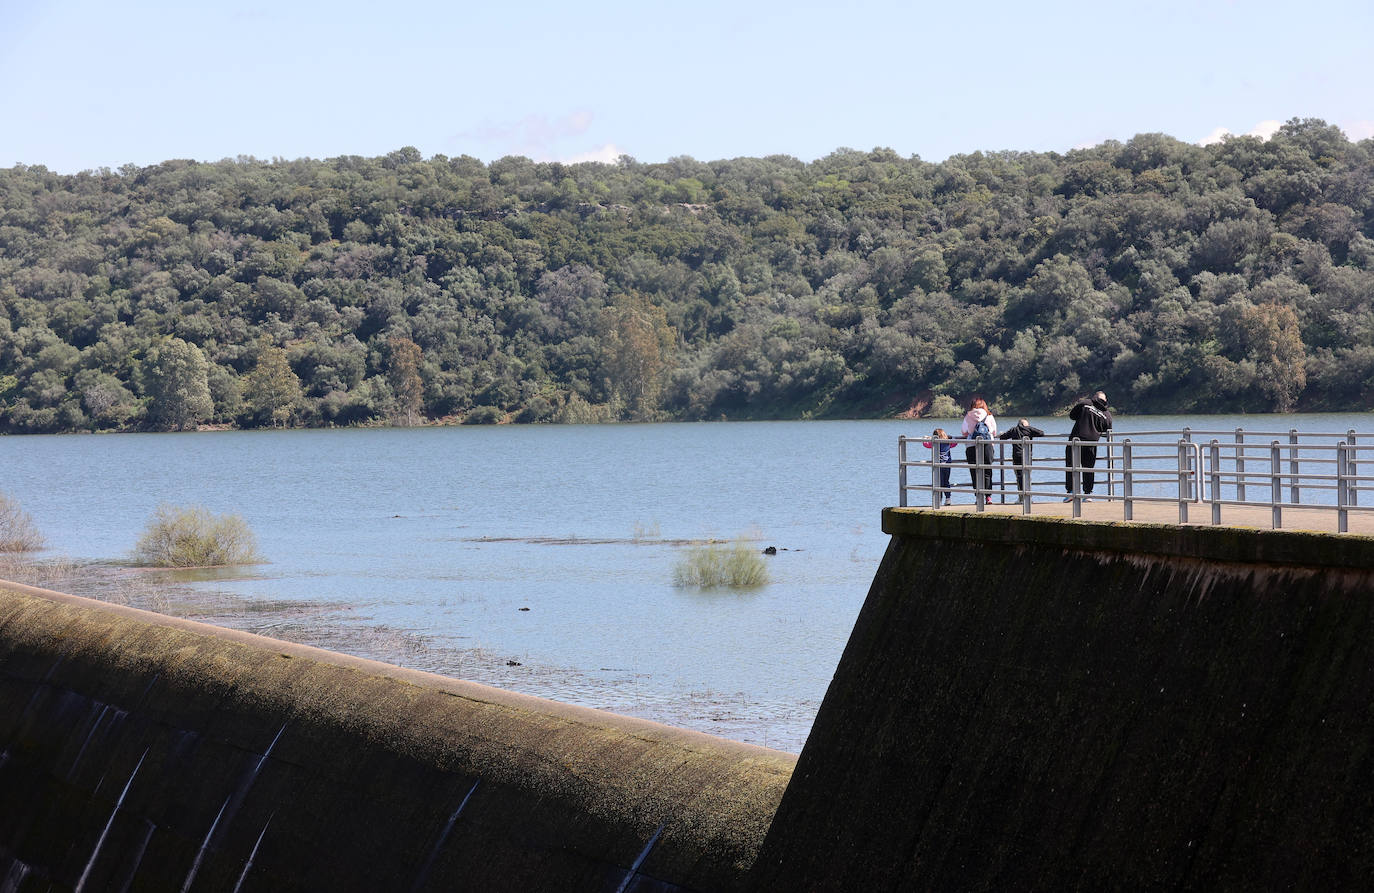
399	290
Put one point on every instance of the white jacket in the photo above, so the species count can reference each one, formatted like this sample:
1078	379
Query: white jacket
971	420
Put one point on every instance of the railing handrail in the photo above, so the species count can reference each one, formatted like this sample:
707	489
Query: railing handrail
1194	466
1231	432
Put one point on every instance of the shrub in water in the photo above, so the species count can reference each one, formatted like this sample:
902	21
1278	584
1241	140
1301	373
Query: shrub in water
715	565
192	537
17	533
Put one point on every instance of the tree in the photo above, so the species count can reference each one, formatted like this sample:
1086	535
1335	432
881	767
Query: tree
1275	342
272	391
637	344
105	399
403	374
175	383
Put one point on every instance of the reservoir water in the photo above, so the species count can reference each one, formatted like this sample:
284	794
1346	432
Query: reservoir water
534	558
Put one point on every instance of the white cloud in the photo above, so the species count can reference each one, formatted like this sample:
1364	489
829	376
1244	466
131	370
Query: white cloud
535	136
607	154
1359	130
1263	130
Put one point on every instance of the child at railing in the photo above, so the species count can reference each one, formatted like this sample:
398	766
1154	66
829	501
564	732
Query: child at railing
946	453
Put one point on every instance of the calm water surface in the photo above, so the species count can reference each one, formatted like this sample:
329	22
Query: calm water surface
423	546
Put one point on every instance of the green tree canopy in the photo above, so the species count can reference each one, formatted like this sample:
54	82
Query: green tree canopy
272	391
402	289
176	385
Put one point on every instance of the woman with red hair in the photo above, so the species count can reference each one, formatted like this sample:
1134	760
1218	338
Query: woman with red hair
981	428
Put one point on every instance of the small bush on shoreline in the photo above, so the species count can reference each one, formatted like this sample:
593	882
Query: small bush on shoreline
483	415
717	565
191	536
17	530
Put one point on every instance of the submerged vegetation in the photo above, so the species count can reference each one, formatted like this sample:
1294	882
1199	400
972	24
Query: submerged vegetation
17	530
735	565
191	536
405	290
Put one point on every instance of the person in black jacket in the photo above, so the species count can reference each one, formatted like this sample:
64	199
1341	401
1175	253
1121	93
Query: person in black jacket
1091	420
1024	430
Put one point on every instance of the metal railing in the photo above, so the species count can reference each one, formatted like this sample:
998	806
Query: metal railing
1194	469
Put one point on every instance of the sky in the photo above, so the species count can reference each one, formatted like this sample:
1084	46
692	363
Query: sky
85	84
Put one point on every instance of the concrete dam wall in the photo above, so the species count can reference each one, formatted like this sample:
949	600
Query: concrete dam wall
1024	704
142	752
1042	704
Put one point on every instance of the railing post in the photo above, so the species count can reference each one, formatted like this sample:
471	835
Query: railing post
980	495
1002	471
1188	462
1077	494
1111	491
1126	491
1352	467
1240	464
1214	460
1275	485
1293	465
1342	487
1199	483
1185	482
901	470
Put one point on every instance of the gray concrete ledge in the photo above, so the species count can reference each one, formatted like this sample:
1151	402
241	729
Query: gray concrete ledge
1228	544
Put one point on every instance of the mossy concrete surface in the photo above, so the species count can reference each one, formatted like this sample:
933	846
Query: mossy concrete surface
1040	704
143	752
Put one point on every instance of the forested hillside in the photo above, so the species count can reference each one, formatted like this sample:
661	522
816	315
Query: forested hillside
400	290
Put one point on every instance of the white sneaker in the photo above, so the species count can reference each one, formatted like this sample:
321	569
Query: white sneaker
1087	499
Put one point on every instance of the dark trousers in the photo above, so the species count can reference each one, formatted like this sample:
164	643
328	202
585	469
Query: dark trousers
971	454
1087	458
944	479
1016	459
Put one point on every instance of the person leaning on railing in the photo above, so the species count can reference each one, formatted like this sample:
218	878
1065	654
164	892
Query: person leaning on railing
1091	419
1023	430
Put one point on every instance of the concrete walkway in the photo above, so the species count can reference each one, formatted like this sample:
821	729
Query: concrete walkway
1323	520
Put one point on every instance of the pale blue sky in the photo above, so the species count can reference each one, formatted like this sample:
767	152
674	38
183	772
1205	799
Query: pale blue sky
100	84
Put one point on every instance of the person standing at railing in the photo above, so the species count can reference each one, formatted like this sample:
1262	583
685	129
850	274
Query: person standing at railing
940	443
981	428
1091	419
1023	430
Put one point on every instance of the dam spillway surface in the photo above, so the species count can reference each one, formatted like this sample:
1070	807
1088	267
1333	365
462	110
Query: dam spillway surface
144	752
1024	704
